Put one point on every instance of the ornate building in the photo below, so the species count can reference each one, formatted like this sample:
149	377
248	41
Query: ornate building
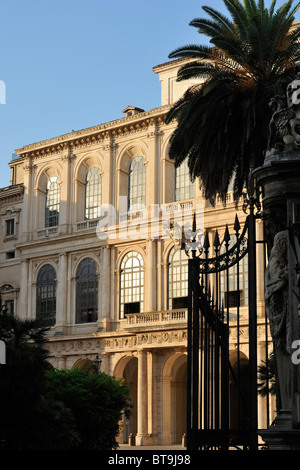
82	247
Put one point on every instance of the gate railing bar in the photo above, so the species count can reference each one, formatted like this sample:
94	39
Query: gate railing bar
252	327
214	364
237	229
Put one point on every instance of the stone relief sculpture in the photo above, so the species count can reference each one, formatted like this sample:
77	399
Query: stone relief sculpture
276	297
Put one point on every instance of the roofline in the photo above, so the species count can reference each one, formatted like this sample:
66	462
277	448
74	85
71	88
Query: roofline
89	132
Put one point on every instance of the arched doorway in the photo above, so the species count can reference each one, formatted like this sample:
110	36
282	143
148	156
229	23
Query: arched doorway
174	396
127	369
83	364
239	396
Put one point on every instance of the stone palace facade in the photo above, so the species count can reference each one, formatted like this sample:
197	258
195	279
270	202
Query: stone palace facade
112	283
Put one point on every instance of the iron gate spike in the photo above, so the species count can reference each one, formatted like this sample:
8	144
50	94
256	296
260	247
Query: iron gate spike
216	240
206	243
226	235
236	224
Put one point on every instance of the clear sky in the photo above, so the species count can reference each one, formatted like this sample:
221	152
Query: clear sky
71	64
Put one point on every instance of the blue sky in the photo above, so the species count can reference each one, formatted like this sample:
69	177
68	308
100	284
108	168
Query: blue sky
70	64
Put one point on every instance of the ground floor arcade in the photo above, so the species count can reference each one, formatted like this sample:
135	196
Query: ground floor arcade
154	365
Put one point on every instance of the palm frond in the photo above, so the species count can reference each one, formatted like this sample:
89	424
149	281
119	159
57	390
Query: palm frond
222	125
191	51
207	27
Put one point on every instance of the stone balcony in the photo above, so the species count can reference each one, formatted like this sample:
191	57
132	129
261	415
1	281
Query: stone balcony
167	319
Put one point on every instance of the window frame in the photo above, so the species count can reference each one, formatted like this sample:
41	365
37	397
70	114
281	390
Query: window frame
93	192
136	183
45	285
86	289
52	202
177	274
238	293
184	188
132	283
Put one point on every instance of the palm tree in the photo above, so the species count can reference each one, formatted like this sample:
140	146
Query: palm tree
267	373
222	124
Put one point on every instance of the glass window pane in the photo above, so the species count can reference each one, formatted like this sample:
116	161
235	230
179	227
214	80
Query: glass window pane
46	295
92	193
177	279
237	282
136	182
86	292
184	188
131	284
52	202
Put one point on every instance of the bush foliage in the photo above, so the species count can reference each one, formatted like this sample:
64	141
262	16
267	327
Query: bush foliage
96	402
48	409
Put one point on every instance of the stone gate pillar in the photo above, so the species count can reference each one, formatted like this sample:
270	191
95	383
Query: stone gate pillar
279	178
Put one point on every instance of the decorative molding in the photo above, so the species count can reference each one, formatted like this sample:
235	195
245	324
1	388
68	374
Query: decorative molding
12	194
93	135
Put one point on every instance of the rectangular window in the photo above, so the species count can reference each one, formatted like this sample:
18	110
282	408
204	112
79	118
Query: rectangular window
9	305
234	298
132	307
179	302
10	227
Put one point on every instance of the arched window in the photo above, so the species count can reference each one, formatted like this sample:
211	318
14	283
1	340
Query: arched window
132	284
46	294
92	193
234	282
184	188
52	202
86	292
136	182
177	279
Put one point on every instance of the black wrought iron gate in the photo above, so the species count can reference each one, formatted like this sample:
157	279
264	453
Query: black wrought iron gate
210	373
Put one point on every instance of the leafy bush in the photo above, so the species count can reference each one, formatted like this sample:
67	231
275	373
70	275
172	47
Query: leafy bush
53	409
96	402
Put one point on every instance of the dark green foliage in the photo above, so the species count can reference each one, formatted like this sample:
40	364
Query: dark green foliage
96	402
22	378
267	373
46	409
223	124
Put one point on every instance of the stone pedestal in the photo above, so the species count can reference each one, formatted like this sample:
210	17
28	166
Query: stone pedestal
280	435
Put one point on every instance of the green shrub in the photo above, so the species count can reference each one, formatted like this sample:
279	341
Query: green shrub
96	401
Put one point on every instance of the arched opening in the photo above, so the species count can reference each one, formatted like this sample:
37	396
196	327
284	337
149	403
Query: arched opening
47	204
179	395
239	397
86	365
131	170
127	369
174	393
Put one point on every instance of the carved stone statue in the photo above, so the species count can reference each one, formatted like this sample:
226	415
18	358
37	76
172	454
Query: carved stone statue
279	127
276	296
284	126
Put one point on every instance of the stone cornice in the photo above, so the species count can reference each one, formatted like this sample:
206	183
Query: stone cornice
97	134
11	193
